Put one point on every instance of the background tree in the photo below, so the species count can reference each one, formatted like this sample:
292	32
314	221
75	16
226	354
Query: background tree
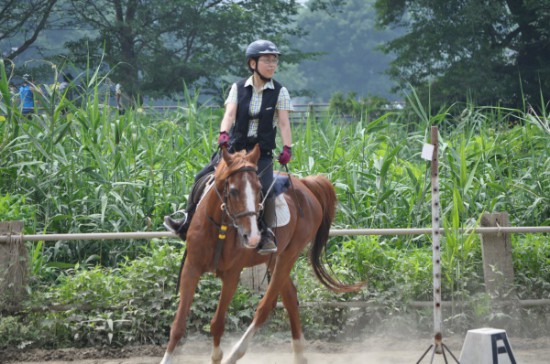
346	41
157	46
21	22
492	51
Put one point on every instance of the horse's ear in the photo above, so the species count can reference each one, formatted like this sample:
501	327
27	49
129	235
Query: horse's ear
254	154
226	155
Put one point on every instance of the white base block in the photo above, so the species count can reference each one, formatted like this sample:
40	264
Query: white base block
487	346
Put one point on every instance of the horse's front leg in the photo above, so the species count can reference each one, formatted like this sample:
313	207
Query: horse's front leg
190	276
283	266
290	301
230	281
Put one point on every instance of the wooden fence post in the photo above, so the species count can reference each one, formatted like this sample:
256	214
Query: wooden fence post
311	111
13	266
255	278
496	250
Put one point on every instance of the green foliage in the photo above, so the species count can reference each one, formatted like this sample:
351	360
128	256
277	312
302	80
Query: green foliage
532	265
22	22
346	42
14	208
133	303
350	106
17	331
491	52
190	41
89	169
82	167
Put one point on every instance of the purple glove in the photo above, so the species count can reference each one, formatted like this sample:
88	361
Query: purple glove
223	140
285	155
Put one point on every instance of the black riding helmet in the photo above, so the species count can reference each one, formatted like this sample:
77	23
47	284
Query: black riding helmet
258	48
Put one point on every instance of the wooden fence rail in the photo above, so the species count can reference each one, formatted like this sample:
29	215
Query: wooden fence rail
334	232
495	240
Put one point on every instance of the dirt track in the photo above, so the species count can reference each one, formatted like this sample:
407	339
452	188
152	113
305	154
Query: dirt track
374	350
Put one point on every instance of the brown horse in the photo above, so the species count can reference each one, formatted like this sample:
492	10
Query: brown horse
235	200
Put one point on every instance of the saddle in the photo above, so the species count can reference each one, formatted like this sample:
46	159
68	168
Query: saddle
276	211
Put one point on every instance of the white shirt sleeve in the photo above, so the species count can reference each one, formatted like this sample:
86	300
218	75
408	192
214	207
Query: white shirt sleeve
232	97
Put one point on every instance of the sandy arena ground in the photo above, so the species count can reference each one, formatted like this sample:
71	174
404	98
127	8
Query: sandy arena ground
373	350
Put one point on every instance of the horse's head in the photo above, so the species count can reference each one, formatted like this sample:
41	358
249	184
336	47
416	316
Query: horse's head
237	180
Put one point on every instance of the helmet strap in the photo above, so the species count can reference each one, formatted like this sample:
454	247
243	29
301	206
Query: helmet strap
262	77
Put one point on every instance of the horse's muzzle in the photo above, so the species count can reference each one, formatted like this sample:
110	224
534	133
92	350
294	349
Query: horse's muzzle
250	239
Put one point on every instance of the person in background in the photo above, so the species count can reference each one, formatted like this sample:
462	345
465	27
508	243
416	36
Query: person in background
26	96
118	97
254	108
65	83
65	89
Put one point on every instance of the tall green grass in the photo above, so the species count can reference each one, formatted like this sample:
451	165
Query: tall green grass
85	168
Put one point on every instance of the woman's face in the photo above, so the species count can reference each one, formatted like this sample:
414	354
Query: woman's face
267	65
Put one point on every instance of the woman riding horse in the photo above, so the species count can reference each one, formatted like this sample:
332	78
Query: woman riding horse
223	239
253	110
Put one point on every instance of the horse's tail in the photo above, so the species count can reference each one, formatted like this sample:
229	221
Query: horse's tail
324	191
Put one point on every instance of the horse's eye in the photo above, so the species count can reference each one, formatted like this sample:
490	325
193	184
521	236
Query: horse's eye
234	192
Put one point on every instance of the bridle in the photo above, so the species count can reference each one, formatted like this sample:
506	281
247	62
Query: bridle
226	213
225	196
223	226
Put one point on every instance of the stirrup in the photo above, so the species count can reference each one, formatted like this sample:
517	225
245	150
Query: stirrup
268	248
172	224
184	212
175	225
267	243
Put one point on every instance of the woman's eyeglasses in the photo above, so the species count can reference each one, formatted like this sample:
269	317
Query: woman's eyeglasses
274	61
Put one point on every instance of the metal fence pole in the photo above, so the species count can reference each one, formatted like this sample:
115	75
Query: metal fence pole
436	246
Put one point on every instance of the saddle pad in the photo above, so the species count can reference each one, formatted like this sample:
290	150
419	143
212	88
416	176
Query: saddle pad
278	216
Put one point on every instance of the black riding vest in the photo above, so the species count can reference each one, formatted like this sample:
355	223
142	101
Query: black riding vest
266	131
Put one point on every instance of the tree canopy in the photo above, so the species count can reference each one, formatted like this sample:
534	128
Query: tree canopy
346	41
21	22
492	51
157	46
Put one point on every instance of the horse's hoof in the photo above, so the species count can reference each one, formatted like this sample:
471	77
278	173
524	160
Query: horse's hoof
217	355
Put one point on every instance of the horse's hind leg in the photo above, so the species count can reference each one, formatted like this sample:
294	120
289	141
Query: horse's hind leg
189	280
230	282
290	301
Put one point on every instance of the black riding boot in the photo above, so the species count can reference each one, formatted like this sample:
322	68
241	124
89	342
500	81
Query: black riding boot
267	243
180	226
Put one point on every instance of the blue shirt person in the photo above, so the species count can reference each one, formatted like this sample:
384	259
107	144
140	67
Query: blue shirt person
26	96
